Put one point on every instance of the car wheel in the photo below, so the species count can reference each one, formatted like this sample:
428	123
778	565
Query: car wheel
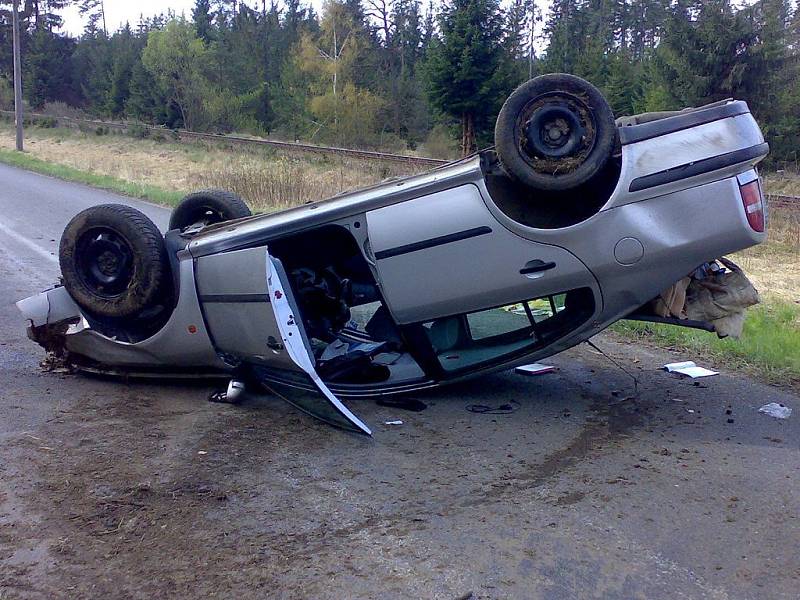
113	261
207	207
555	132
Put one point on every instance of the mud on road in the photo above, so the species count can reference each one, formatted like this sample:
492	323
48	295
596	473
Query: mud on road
132	490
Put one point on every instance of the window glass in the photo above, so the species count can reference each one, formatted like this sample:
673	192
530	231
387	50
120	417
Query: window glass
485	336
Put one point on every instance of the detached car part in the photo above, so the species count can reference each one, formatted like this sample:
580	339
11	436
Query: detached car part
572	222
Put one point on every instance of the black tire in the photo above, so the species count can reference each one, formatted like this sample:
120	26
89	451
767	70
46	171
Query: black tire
555	132
208	207
113	261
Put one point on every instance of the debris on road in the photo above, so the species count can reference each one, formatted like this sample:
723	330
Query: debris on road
534	369
503	409
398	422
403	403
689	368
774	409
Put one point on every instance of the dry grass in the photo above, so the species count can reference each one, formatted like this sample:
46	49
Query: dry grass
774	266
267	181
783	183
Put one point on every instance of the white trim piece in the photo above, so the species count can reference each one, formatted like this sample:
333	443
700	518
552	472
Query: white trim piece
293	341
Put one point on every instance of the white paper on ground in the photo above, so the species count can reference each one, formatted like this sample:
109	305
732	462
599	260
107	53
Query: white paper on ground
689	368
773	409
534	369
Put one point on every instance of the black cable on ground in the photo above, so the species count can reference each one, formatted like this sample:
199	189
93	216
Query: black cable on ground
503	409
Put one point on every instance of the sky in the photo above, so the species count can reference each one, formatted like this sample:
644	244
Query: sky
118	12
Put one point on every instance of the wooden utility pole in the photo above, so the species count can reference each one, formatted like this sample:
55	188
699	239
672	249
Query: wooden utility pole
530	39
17	77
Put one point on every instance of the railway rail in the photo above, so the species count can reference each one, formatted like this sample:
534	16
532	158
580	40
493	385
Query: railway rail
182	134
782	202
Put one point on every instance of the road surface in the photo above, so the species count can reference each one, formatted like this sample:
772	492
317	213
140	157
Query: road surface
130	490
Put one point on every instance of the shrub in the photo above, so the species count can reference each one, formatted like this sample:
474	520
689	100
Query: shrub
46	122
138	130
440	144
6	94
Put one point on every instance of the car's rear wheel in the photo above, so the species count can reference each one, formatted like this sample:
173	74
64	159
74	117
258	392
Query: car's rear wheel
113	261
555	132
207	207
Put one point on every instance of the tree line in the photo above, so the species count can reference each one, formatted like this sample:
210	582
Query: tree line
400	73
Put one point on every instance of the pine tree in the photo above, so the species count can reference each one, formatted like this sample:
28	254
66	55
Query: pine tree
145	101
125	52
45	77
564	32
465	78
202	19
92	65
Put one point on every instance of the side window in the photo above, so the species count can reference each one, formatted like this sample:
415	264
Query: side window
471	340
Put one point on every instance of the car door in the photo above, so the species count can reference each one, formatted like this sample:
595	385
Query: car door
252	318
445	254
323	405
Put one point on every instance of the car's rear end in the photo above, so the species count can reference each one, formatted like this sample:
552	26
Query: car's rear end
690	189
683	191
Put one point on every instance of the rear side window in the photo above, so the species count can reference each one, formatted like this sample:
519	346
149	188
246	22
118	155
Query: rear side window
462	342
487	324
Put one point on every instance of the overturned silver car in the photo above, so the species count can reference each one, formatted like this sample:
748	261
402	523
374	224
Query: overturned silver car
569	223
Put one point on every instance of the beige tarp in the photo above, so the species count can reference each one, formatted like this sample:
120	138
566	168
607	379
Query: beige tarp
720	299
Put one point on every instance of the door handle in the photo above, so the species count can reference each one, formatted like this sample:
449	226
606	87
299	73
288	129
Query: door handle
536	266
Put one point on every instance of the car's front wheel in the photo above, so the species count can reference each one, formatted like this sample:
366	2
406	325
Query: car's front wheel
113	261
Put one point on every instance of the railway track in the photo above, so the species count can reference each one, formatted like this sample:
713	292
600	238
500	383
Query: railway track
181	134
791	203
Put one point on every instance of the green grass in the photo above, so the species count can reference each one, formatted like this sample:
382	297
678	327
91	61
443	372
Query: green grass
106	182
769	346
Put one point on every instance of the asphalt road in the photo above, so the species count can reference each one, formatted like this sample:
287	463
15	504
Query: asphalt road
130	490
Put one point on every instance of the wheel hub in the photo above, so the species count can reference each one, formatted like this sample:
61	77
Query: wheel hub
104	261
553	131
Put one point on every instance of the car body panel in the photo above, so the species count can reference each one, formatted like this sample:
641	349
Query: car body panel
183	341
677	231
257	230
684	147
235	301
420	247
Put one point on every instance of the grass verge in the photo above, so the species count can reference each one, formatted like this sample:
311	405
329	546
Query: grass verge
769	346
106	182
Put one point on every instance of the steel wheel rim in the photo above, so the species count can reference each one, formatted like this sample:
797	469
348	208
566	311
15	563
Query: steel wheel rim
104	261
553	127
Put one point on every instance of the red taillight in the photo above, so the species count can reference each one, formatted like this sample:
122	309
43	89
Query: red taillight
753	204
